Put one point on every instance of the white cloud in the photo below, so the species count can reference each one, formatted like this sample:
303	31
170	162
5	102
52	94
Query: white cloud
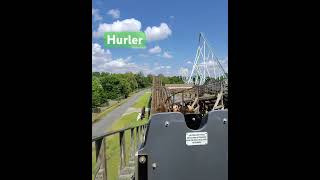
167	55
213	66
189	62
115	13
155	50
143	55
158	33
183	71
224	64
118	26
95	14
120	65
162	67
99	55
171	17
102	61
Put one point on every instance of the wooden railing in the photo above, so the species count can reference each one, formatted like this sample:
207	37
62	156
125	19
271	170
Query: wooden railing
137	138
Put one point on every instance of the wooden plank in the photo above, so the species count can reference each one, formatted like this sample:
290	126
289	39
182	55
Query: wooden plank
122	150
101	171
218	99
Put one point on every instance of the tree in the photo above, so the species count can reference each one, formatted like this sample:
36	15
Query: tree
150	79
97	74
97	92
116	85
125	88
140	79
132	80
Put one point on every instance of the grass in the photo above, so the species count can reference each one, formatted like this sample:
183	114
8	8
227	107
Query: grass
108	110
97	117
112	142
93	160
143	100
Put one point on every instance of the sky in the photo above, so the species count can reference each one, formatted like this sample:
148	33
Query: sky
172	29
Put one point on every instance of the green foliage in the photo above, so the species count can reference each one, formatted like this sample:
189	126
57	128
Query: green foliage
141	80
97	92
172	80
114	86
130	77
125	88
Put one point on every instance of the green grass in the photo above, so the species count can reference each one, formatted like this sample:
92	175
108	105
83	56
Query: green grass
113	146
112	142
143	100
139	103
108	110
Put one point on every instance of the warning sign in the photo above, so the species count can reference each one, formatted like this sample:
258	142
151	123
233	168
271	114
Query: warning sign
196	138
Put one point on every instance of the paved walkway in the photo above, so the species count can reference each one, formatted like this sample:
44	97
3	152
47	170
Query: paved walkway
101	126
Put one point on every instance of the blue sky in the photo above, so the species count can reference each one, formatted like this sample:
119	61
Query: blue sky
174	28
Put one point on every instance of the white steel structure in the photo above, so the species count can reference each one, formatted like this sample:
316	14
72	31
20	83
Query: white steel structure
206	64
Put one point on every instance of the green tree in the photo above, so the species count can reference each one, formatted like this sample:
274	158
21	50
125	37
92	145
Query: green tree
130	77
139	77
149	79
97	74
97	92
124	88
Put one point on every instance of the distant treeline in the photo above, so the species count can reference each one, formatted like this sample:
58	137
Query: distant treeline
114	86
